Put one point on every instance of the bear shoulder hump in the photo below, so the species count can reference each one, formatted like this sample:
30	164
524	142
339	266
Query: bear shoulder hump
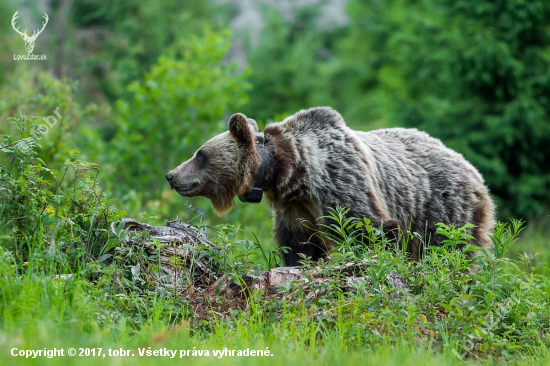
318	118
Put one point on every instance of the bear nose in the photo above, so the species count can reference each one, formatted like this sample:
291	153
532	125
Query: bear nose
169	178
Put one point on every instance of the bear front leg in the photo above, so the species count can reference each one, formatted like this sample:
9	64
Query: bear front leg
296	237
395	230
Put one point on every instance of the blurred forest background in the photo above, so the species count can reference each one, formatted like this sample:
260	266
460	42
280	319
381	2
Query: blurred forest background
141	85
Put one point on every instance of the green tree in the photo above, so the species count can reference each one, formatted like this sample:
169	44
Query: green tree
289	63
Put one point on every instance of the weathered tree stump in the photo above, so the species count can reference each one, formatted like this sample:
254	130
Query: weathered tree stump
177	247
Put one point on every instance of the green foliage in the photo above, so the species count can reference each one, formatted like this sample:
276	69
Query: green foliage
40	94
55	243
62	216
289	63
9	38
238	257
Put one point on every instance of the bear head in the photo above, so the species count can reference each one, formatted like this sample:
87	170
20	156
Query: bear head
222	168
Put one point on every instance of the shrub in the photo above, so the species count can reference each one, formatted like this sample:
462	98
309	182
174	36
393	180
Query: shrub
42	211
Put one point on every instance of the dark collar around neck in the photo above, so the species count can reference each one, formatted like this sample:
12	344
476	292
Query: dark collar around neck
256	193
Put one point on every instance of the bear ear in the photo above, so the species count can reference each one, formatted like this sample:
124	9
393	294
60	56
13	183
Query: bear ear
241	129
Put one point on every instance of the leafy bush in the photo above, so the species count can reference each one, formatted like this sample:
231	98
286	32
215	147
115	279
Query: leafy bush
123	40
42	211
56	244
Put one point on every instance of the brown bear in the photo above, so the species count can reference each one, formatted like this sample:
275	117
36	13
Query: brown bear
311	161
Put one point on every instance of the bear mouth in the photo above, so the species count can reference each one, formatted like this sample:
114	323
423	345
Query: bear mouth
185	189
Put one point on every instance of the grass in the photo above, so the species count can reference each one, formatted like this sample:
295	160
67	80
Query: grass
535	242
43	317
40	311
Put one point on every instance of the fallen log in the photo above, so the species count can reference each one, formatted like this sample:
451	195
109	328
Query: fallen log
179	249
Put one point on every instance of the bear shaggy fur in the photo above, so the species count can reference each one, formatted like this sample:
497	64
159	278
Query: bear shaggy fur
396	177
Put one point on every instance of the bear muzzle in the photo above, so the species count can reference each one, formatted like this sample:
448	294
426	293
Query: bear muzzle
183	188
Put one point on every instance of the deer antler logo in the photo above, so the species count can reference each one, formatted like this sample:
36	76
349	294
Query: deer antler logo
29	40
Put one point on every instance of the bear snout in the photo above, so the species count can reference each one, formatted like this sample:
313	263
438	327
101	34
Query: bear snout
169	177
185	179
181	187
184	184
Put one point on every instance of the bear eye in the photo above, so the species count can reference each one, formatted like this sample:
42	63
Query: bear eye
201	158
